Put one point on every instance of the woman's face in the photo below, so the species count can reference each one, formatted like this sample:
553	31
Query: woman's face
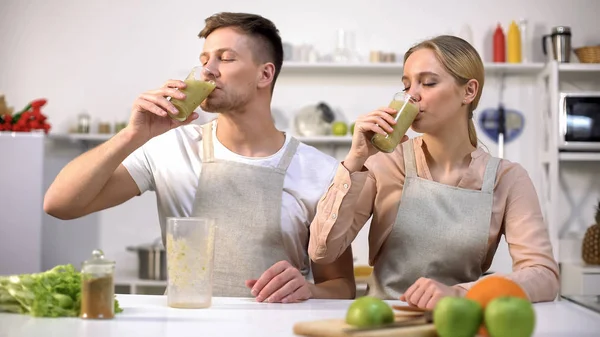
440	98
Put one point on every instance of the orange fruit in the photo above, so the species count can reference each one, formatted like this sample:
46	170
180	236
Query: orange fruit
491	287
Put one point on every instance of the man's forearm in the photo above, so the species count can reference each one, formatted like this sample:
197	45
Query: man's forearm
80	181
340	288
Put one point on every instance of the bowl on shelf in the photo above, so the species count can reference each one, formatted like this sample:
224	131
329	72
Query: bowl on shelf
588	54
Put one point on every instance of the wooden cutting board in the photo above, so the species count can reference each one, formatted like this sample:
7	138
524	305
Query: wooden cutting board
336	327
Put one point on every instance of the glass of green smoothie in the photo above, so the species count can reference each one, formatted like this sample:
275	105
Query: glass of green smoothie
408	109
196	91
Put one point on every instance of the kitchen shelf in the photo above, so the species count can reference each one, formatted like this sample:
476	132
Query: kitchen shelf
134	280
99	138
579	156
554	188
325	140
91	137
514	68
135	285
579	67
301	68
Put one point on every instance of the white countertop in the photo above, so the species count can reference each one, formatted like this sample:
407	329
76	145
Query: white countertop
146	315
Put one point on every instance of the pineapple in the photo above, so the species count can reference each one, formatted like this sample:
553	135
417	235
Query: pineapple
591	241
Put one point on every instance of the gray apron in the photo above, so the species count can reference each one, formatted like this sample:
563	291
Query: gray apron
245	201
441	232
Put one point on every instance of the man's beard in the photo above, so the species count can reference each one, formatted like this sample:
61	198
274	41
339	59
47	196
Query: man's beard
210	108
229	103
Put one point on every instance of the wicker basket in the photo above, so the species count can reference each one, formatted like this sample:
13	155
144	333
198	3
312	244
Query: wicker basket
588	54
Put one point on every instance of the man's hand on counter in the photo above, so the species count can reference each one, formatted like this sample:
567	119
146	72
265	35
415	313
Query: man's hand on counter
282	283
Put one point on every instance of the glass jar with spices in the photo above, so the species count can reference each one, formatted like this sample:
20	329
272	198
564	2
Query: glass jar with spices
97	287
103	128
83	123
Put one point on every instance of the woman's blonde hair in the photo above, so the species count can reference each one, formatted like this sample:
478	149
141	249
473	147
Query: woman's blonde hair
463	62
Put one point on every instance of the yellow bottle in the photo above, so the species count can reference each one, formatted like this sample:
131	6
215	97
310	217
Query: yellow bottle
514	43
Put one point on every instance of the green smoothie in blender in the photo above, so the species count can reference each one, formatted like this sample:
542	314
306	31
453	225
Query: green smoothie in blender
196	91
407	111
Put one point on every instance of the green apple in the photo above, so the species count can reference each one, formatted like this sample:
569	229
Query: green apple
339	128
457	317
509	316
369	311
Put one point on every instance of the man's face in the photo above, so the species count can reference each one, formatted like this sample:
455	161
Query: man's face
228	56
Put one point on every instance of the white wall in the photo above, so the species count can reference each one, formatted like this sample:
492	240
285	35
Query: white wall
99	55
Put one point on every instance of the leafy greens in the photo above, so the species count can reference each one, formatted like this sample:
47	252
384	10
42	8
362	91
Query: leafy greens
53	293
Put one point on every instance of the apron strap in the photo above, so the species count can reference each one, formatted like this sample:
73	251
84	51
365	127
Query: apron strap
207	143
289	153
489	177
410	165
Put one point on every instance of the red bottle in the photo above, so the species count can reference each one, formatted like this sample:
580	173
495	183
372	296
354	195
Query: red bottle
499	45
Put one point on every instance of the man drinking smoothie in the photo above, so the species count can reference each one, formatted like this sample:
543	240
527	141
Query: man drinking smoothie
261	185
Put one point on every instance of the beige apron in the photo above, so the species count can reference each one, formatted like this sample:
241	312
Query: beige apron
441	232
245	201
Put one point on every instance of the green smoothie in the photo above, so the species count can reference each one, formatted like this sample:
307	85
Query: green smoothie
404	117
195	92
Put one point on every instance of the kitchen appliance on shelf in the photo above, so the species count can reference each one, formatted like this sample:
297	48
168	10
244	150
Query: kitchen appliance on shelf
314	120
579	121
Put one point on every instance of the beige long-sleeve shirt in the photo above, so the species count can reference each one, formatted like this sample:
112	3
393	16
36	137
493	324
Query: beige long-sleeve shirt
352	199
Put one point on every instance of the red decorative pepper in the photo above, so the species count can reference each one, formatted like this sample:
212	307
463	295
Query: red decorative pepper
38	103
29	118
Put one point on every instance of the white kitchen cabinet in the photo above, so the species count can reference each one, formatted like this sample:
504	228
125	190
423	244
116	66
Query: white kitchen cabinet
564	200
21	199
579	279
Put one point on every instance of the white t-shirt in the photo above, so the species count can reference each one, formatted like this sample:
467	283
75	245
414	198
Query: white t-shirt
170	165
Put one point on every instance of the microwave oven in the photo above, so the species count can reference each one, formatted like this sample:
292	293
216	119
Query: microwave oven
579	121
